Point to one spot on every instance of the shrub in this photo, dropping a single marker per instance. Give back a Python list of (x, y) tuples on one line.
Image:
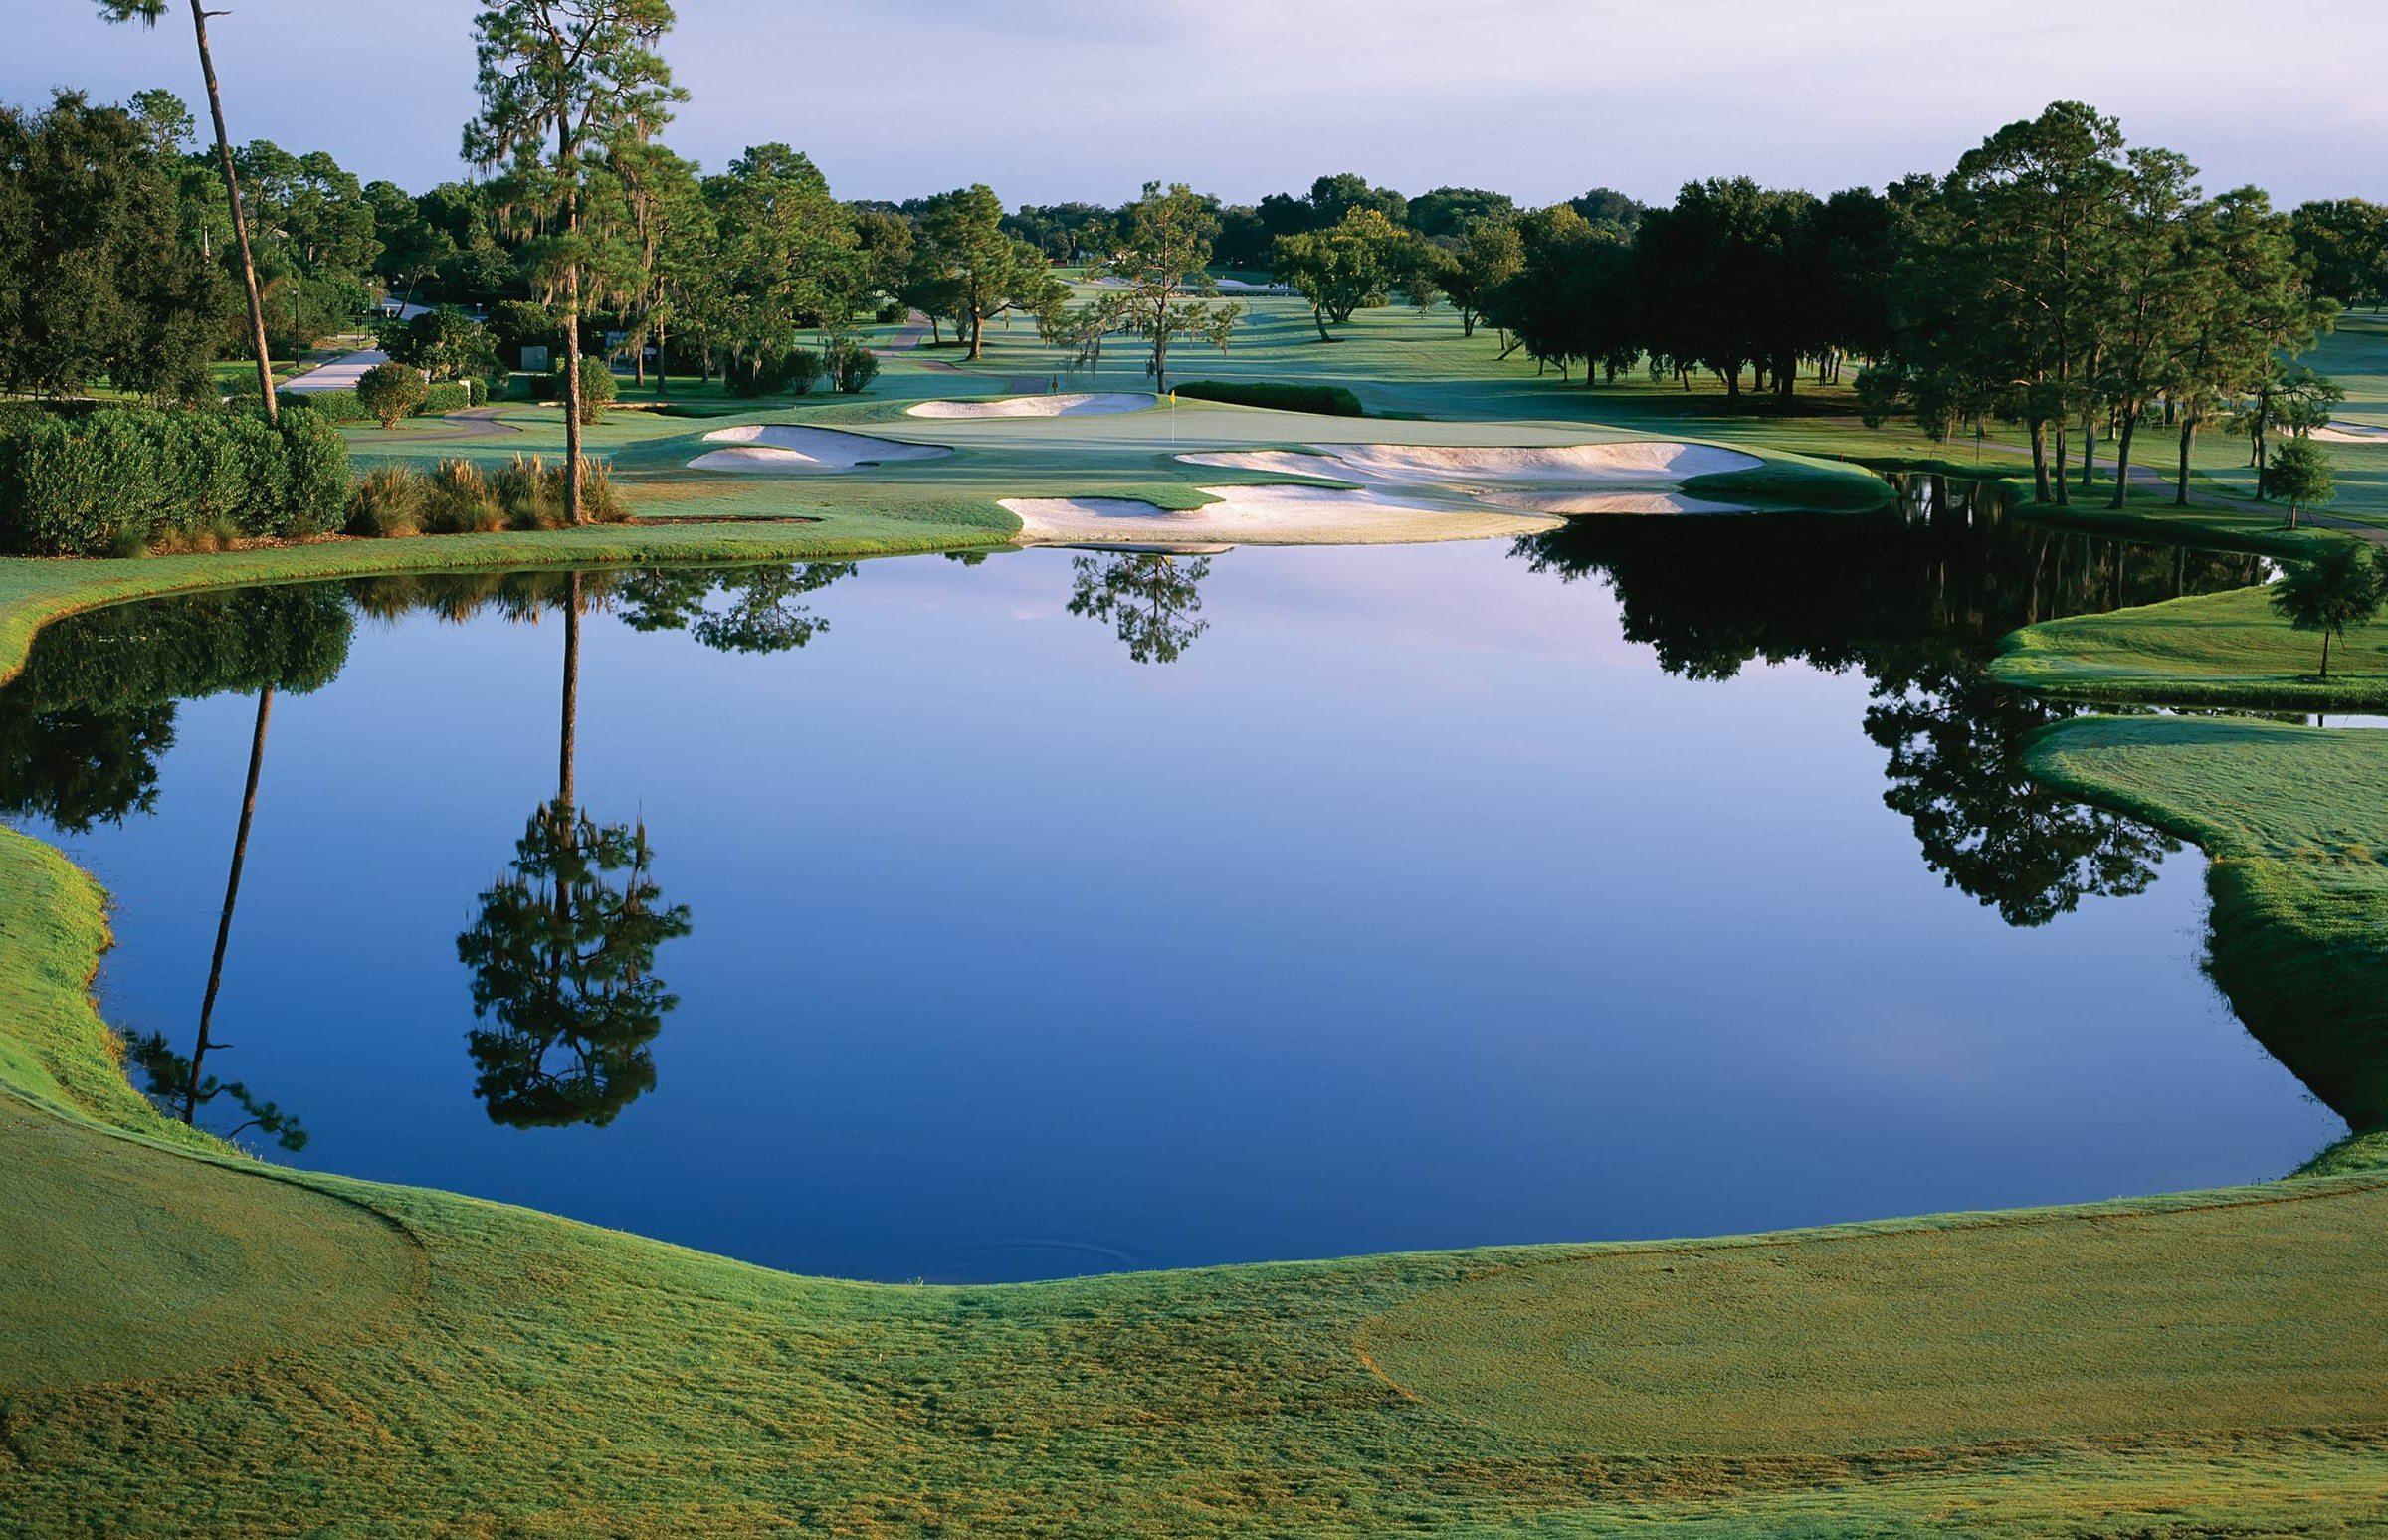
[(387, 501), (1278, 395), (448, 396), (600, 499), (597, 388), (852, 368), (792, 372), (313, 484), (456, 499), (122, 481), (390, 391)]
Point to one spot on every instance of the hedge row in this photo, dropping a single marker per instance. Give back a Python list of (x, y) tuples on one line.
[(341, 406), (119, 482), (1322, 400)]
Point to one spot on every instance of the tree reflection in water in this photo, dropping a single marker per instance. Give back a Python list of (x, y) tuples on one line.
[(1915, 598), (562, 957), (1151, 602), (82, 730), (562, 948)]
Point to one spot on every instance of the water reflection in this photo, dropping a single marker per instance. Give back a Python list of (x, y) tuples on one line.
[(1915, 598), (81, 732), (1151, 601), (561, 952), (562, 947)]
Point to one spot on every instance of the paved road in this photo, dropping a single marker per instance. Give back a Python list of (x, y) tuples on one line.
[(341, 374)]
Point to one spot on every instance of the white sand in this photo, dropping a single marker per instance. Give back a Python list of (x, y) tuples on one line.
[(779, 449), (1080, 404), (1610, 503), (2350, 433), (1260, 515), (1410, 465)]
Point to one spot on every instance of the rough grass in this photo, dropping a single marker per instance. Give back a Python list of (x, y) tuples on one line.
[(2227, 649)]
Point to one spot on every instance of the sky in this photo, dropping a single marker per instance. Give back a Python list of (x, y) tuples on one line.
[(1054, 99)]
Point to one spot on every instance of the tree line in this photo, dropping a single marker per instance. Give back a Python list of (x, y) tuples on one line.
[(2056, 277)]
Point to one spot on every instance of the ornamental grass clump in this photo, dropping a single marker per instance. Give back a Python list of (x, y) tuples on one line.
[(457, 499), (388, 502), (530, 494)]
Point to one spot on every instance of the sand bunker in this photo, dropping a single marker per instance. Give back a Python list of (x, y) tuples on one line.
[(1572, 502), (1260, 515), (1080, 404), (2350, 433), (1409, 465), (777, 449)]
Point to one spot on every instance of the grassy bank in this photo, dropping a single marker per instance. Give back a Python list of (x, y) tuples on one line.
[(2294, 821), (2227, 650)]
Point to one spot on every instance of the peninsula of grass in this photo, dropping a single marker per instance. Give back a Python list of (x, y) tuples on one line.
[(2209, 650), (2294, 823)]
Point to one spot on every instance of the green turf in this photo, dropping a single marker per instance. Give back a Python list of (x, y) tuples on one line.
[(2227, 649)]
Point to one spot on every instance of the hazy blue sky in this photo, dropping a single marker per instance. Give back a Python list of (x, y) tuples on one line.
[(1540, 97)]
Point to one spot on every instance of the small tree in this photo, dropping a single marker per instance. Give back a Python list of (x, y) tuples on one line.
[(2300, 474), (852, 368), (2342, 587), (1159, 253), (390, 391), (597, 388)]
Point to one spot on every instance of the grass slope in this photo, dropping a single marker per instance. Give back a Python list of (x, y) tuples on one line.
[(2226, 649), (479, 1368)]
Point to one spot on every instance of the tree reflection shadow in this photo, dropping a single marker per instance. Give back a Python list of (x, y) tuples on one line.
[(1915, 599), (1153, 603), (562, 958)]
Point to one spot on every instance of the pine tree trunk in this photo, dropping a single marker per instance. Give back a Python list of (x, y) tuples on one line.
[(240, 223), (2039, 432), (2180, 488), (2122, 460), (231, 897)]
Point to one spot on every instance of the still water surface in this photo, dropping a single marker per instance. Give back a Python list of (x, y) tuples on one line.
[(1655, 877)]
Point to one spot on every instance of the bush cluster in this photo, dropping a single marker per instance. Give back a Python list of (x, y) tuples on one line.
[(1280, 395), (344, 406), (528, 493), (131, 480), (849, 367)]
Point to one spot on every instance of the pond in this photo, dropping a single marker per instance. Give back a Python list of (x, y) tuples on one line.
[(1058, 912)]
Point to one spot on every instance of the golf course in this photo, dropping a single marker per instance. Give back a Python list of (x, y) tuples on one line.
[(1381, 906)]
